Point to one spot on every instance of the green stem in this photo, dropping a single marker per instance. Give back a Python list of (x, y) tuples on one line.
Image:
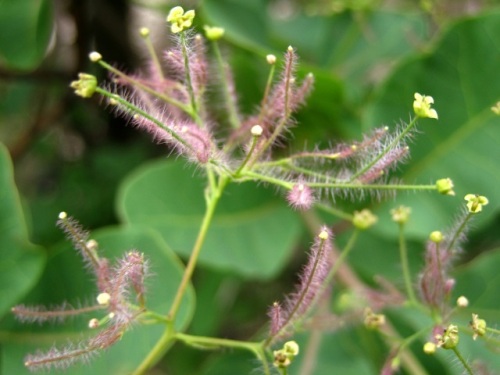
[(459, 230), (334, 211), (343, 255), (215, 343), (386, 150), (213, 199), (463, 361), (405, 265), (154, 56), (157, 352), (255, 140)]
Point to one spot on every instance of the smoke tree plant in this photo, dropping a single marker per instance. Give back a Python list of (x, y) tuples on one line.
[(171, 101)]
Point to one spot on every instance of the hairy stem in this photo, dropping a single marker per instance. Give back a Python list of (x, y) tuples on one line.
[(403, 252), (463, 361), (386, 150), (212, 200)]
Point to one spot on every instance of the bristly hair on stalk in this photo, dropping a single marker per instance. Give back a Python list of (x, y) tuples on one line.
[(116, 285), (311, 283)]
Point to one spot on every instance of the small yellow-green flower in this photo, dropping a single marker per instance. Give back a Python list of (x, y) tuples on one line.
[(364, 219), (475, 202), (478, 326), (85, 86), (373, 321), (284, 357), (213, 33), (445, 186), (496, 108), (449, 339), (401, 214), (179, 19), (422, 106)]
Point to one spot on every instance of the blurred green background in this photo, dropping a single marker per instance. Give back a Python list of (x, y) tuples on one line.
[(63, 153)]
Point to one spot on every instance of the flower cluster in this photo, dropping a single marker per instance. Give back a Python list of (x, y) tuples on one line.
[(170, 101), (115, 284)]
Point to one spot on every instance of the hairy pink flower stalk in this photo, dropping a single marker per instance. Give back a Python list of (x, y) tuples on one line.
[(128, 274), (41, 314), (115, 284), (435, 282), (388, 161), (298, 303), (86, 247), (62, 358)]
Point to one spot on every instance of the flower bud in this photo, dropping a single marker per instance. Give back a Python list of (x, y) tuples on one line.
[(103, 299), (445, 186), (462, 301), (144, 32), (95, 56), (436, 236), (430, 348), (401, 214), (364, 219), (85, 86), (271, 59), (213, 33), (256, 130)]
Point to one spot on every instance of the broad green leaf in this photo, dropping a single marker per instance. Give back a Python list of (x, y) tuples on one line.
[(479, 281), (253, 232), (25, 30), (359, 46), (66, 280), (21, 262), (461, 75)]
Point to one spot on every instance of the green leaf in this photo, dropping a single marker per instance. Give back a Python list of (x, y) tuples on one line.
[(461, 75), (479, 281), (252, 233), (66, 280), (25, 30), (21, 262), (359, 46)]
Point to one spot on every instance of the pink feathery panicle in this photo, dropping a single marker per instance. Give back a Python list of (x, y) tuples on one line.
[(285, 96), (389, 161), (86, 248), (193, 142), (62, 358), (300, 196), (128, 276), (307, 291), (434, 282), (41, 314), (198, 64)]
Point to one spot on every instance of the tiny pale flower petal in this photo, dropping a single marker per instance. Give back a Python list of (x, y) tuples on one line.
[(422, 106)]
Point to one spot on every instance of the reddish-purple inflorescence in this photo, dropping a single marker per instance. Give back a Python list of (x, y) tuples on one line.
[(115, 286), (298, 303)]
